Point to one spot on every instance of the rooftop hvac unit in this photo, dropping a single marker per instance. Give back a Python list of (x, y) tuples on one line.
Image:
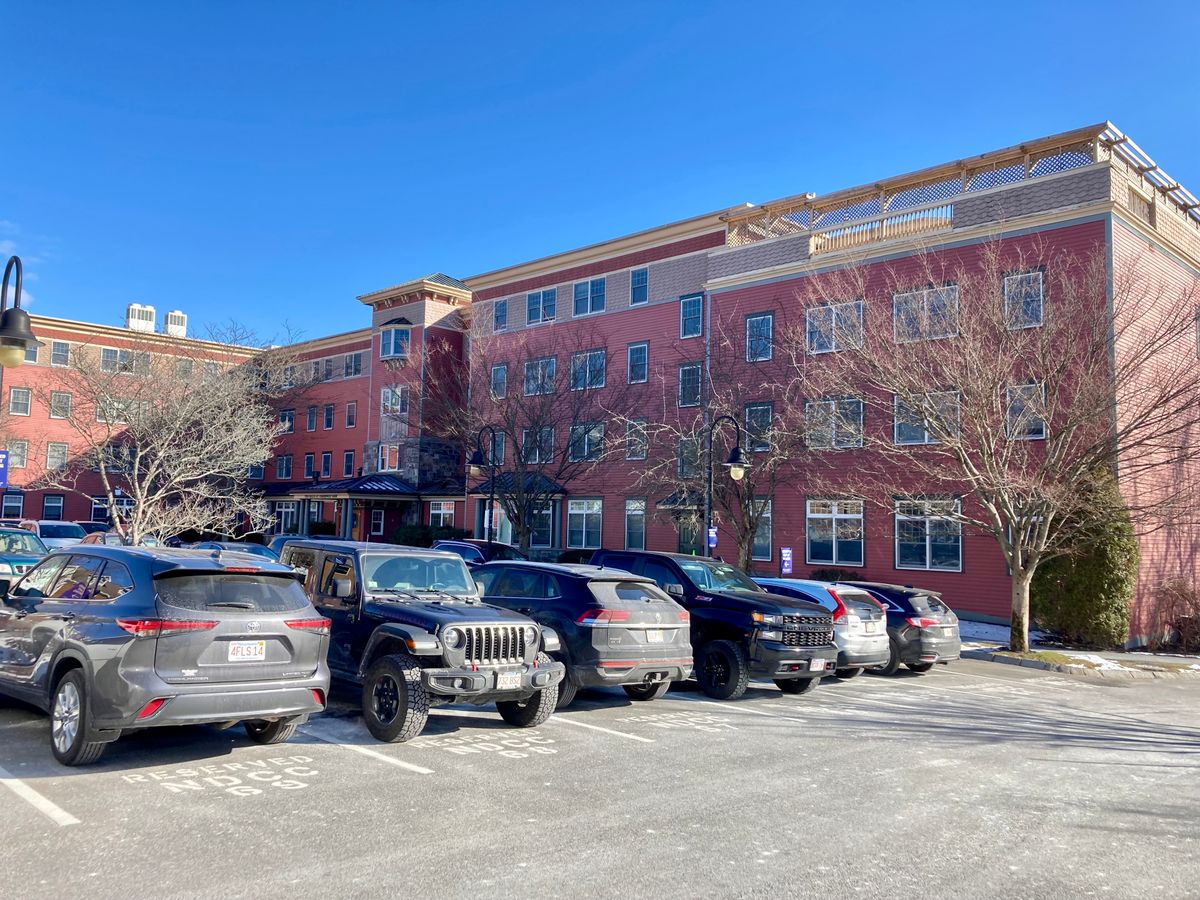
[(139, 317), (175, 323)]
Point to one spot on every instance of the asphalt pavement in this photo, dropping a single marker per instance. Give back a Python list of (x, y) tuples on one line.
[(975, 780)]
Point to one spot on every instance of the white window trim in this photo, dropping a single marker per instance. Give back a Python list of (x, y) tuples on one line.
[(66, 344), (590, 454), (28, 401), (1008, 400), (20, 505), (833, 517), (629, 362), (644, 502), (499, 367), (833, 402), (699, 385), (24, 453), (378, 522), (925, 294), (1041, 300), (495, 306), (897, 516), (770, 342), (351, 404), (928, 440), (835, 310), (599, 528), (542, 318), (645, 269), (585, 357), (632, 426), (688, 298), (770, 519), (70, 404), (590, 312), (547, 388)]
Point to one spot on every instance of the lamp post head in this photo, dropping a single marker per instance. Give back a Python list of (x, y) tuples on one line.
[(737, 463), (16, 334), (477, 462)]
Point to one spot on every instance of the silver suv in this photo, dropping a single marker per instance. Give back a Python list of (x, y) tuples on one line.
[(114, 639)]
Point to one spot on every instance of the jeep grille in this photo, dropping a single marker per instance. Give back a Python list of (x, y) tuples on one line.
[(492, 645)]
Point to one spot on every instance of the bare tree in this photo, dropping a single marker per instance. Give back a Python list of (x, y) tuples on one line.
[(997, 390), (546, 394), (746, 380), (169, 430)]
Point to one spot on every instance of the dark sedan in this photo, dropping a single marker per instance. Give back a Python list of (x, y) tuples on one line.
[(615, 628), (476, 552), (922, 630), (238, 547)]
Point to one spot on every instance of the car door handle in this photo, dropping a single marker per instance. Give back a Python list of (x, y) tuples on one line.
[(20, 613), (525, 610)]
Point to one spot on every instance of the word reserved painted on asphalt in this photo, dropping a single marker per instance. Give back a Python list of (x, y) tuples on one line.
[(683, 720), (244, 779), (519, 744)]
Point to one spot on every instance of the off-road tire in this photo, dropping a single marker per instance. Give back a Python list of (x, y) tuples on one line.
[(920, 667), (722, 670), (72, 692), (846, 674), (796, 685), (263, 732), (567, 688), (395, 704), (892, 666), (647, 692), (534, 711)]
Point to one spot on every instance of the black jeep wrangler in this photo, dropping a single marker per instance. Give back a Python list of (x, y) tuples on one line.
[(408, 625), (739, 631)]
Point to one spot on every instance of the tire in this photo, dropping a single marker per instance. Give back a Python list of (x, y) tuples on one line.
[(846, 674), (722, 670), (796, 685), (567, 688), (395, 704), (263, 732), (647, 692), (534, 711), (69, 722), (892, 666), (920, 667)]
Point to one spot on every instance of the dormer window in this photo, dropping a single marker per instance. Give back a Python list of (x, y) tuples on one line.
[(393, 342)]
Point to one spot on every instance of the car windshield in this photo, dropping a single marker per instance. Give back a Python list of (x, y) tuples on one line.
[(256, 549), (503, 551), (718, 576), (62, 530), (415, 573), (21, 542)]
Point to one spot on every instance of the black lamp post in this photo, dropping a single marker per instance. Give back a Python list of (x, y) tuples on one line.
[(16, 335), (736, 463), (479, 459)]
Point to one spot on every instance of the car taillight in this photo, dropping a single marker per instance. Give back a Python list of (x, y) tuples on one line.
[(153, 628), (242, 569), (316, 626), (922, 621), (603, 616), (839, 611), (685, 616), (319, 697)]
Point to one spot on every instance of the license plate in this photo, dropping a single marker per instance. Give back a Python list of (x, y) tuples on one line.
[(247, 651), (816, 665), (870, 627), (508, 681), (948, 629), (654, 636)]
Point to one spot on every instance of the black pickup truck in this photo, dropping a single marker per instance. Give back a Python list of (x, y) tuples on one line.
[(739, 631), (408, 625)]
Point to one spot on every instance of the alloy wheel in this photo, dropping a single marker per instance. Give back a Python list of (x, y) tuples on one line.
[(64, 722)]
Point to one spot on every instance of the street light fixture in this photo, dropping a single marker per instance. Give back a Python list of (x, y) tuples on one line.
[(16, 335), (737, 463), (477, 463)]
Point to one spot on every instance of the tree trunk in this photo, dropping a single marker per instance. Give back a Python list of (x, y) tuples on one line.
[(745, 552), (1019, 637)]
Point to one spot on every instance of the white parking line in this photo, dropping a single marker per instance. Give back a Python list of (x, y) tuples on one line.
[(374, 754), (565, 721), (740, 706), (48, 808)]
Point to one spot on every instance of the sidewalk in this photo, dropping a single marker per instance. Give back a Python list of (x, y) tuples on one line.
[(986, 641)]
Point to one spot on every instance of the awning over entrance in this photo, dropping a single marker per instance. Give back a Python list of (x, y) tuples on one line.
[(377, 486)]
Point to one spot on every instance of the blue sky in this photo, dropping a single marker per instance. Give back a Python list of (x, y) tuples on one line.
[(267, 162)]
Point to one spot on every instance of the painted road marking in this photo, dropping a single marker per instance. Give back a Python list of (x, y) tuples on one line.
[(48, 808), (565, 721), (373, 754), (733, 707)]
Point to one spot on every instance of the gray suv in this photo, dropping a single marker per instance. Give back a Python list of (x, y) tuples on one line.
[(114, 639)]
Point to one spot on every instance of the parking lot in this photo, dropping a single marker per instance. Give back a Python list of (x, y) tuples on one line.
[(973, 780)]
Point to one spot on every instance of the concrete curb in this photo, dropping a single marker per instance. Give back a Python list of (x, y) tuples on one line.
[(1145, 674)]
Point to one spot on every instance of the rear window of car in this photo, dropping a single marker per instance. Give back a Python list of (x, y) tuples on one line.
[(66, 530), (928, 603), (626, 591), (199, 591)]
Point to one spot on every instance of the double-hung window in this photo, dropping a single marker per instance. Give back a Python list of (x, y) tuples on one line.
[(283, 466), (326, 464), (635, 524), (761, 547), (347, 463), (309, 464), (393, 401), (636, 440), (351, 413), (689, 384), (638, 363), (639, 286), (287, 418), (499, 382), (834, 530), (124, 362), (688, 461), (758, 426), (57, 454), (18, 454), (1024, 296), (537, 444), (834, 424), (312, 418), (19, 400), (60, 405), (925, 315), (760, 333), (394, 342), (587, 370), (587, 442), (928, 535), (541, 306), (495, 450), (691, 309), (583, 522), (539, 376), (833, 327), (500, 315), (1026, 405), (327, 419), (60, 353), (588, 297), (441, 513), (352, 365), (929, 416)]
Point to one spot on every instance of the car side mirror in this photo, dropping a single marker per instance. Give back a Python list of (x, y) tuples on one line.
[(479, 587), (675, 590)]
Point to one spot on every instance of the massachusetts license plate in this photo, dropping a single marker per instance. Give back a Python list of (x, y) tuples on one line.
[(870, 627), (508, 681), (654, 636), (247, 651), (816, 665)]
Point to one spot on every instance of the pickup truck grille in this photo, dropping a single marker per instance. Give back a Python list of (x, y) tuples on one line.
[(809, 631), (490, 645)]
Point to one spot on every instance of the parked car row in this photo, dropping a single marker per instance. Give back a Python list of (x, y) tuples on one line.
[(112, 639)]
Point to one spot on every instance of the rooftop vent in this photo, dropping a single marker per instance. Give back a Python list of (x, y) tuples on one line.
[(139, 317), (175, 323)]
